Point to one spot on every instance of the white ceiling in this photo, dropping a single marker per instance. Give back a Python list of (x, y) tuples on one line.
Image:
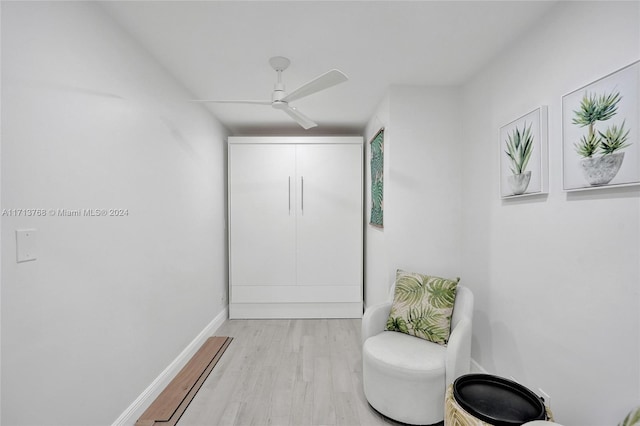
[(220, 50)]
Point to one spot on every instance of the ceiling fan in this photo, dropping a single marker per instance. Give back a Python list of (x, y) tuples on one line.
[(280, 99)]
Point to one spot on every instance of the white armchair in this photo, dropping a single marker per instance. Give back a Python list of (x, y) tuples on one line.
[(404, 377)]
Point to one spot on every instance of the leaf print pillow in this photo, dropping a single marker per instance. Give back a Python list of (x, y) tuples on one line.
[(422, 306)]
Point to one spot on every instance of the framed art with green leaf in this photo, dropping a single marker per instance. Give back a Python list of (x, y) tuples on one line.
[(600, 123), (523, 155), (377, 181)]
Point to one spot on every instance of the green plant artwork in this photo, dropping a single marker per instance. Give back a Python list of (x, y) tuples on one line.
[(519, 148), (594, 108), (377, 188), (422, 306), (600, 132), (598, 149), (632, 419), (523, 159)]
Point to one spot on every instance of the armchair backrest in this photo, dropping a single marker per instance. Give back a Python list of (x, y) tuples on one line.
[(463, 307)]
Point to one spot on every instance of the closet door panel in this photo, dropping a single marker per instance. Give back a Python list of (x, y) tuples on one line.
[(329, 214), (262, 214)]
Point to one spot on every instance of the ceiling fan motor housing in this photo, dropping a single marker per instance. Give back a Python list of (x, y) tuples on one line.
[(277, 96)]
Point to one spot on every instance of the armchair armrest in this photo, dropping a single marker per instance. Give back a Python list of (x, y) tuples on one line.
[(374, 320), (458, 358)]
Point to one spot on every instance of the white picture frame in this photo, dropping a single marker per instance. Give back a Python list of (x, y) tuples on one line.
[(615, 99), (524, 158)]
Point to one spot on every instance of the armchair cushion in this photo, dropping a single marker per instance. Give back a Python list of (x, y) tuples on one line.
[(422, 306), (406, 354)]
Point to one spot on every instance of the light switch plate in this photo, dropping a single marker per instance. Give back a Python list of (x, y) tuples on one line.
[(26, 245)]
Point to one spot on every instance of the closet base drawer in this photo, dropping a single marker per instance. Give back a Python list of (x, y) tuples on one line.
[(296, 293), (294, 310)]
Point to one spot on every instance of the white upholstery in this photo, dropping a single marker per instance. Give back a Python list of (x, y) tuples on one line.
[(405, 377)]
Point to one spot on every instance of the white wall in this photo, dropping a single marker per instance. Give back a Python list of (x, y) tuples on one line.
[(421, 188), (556, 278), (90, 121)]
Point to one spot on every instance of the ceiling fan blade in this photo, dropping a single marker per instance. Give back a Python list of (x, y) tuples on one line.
[(326, 80), (300, 118), (232, 102)]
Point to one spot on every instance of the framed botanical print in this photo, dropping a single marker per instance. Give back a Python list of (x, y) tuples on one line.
[(600, 127), (377, 181), (523, 155)]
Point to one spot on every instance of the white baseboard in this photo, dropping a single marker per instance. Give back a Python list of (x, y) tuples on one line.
[(477, 368), (137, 408)]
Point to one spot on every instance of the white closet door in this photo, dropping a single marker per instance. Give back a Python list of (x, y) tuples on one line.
[(262, 212), (329, 238)]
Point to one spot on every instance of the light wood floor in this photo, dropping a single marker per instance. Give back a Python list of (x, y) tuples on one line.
[(286, 372)]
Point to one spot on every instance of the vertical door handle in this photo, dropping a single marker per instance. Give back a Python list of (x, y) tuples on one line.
[(302, 193), (289, 195)]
